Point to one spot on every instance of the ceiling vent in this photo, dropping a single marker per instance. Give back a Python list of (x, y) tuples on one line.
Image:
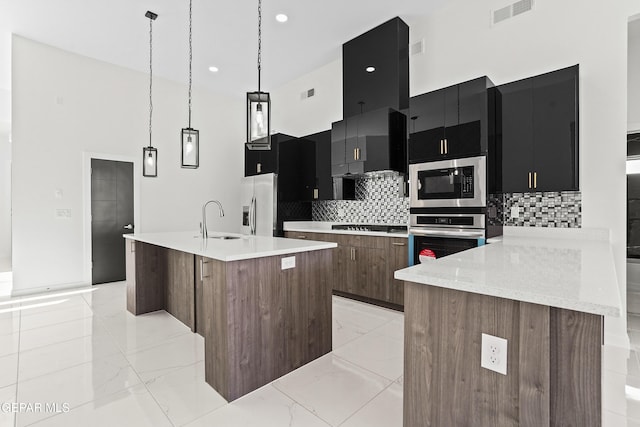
[(510, 11), (308, 93)]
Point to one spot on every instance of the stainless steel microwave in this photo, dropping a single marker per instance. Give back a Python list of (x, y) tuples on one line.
[(449, 183)]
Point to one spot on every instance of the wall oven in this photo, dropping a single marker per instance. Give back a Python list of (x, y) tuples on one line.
[(449, 183), (437, 235)]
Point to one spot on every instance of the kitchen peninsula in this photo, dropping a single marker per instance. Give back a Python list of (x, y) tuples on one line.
[(546, 295), (262, 304)]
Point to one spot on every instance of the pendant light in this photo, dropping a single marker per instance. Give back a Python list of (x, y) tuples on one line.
[(259, 105), (150, 154), (189, 137)]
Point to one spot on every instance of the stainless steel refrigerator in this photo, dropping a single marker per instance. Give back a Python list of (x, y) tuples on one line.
[(259, 195)]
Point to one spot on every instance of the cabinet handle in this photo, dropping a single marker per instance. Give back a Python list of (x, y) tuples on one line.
[(442, 146), (202, 263), (258, 167), (535, 180), (397, 244), (353, 250), (302, 237), (354, 154), (529, 179), (446, 146), (133, 246), (358, 152)]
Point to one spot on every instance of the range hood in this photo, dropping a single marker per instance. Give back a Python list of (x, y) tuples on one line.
[(375, 69), (372, 137)]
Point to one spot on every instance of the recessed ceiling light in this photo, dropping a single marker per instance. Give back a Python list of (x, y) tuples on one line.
[(370, 69), (213, 69), (281, 17)]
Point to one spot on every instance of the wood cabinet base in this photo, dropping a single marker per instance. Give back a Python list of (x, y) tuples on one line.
[(553, 362), (259, 321), (262, 322), (160, 279)]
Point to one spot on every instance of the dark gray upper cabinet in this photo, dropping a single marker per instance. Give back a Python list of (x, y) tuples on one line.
[(538, 132), (386, 48), (368, 142), (453, 122), (323, 189), (293, 159)]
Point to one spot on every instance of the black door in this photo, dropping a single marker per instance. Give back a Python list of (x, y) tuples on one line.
[(111, 217)]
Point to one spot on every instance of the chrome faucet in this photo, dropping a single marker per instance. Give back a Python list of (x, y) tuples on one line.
[(203, 225)]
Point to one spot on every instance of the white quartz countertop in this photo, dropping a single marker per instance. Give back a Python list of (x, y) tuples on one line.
[(325, 227), (245, 247), (571, 273)]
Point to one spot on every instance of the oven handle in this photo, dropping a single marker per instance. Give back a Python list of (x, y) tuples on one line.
[(446, 233)]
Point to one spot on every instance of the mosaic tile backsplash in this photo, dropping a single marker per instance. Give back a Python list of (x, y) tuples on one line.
[(379, 200), (549, 209)]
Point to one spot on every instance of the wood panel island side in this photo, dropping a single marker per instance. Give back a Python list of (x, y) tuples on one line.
[(262, 304), (546, 296)]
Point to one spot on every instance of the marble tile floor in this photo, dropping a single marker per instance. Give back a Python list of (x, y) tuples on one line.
[(88, 362)]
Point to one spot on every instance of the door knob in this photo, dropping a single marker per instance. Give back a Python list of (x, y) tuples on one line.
[(128, 227)]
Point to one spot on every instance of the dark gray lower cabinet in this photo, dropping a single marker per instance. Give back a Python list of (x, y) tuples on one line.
[(363, 266)]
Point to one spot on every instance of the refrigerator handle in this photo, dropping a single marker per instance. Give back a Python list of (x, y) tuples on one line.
[(252, 216)]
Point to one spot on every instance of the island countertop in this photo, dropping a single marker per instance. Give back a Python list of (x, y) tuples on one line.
[(570, 273), (240, 248)]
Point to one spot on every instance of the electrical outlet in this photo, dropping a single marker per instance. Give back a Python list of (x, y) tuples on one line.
[(494, 354), (515, 212), (288, 262)]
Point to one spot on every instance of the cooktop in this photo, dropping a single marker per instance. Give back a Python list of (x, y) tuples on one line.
[(371, 227)]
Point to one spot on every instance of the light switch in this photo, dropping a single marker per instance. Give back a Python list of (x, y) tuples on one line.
[(63, 213)]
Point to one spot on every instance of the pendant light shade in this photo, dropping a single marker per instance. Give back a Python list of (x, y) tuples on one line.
[(259, 105), (258, 120), (189, 137), (190, 157), (149, 162), (150, 154)]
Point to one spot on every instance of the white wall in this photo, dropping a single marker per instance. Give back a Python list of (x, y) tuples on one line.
[(5, 198), (299, 117), (5, 178), (460, 45), (65, 105), (633, 77)]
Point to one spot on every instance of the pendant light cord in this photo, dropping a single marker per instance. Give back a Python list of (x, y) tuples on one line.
[(150, 76), (259, 41), (190, 56)]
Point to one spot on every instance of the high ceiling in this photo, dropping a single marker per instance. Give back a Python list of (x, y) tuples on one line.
[(224, 34)]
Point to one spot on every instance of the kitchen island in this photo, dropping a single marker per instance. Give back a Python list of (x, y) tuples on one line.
[(546, 296), (262, 304)]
